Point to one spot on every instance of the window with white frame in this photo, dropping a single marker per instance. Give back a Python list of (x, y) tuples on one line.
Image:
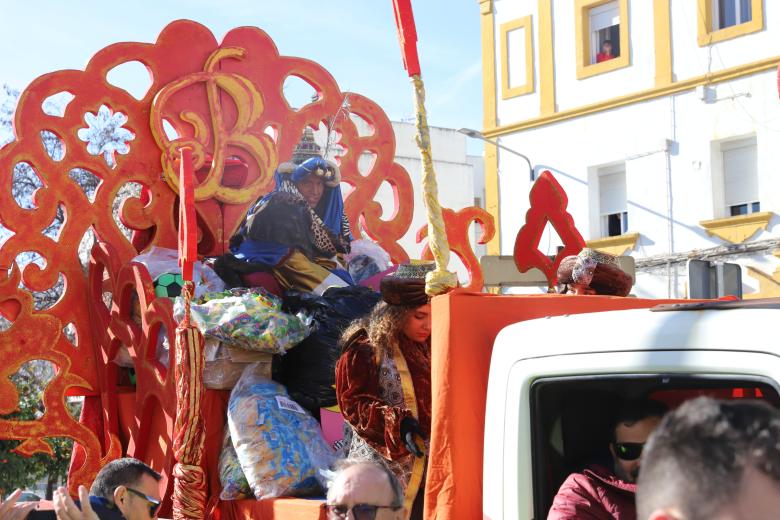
[(612, 201), (727, 13), (740, 176), (604, 27)]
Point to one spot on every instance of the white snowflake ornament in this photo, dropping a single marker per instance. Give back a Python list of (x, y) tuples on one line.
[(104, 134)]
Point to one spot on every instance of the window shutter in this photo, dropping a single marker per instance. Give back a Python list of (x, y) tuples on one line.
[(604, 16), (740, 173), (612, 193)]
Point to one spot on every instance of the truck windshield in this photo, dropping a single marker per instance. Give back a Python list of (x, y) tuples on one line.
[(572, 417)]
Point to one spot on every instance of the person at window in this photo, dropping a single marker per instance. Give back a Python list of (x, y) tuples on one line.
[(606, 52), (367, 491), (124, 489), (713, 460), (383, 382), (299, 231), (600, 493)]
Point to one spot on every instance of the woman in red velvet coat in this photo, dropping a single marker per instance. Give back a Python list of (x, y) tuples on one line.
[(383, 382)]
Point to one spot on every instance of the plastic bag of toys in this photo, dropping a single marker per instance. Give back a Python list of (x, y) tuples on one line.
[(250, 319), (279, 444), (231, 476)]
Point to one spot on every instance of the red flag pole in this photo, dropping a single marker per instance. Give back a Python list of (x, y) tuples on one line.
[(189, 484)]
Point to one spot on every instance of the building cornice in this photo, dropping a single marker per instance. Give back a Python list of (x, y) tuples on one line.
[(617, 245), (737, 229), (637, 97)]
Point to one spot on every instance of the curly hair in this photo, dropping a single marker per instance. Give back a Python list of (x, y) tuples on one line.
[(383, 326)]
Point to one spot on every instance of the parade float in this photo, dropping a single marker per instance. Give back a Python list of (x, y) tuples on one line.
[(202, 144)]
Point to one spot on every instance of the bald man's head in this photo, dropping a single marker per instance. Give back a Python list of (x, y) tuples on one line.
[(366, 484)]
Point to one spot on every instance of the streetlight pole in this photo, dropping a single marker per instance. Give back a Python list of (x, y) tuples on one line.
[(478, 135)]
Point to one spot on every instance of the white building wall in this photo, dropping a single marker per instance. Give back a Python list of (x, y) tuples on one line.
[(455, 172), (571, 92), (690, 60), (509, 109), (669, 143), (575, 149)]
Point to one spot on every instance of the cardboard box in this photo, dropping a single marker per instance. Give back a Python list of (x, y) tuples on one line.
[(224, 365)]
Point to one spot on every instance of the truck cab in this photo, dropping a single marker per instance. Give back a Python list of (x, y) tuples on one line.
[(554, 381)]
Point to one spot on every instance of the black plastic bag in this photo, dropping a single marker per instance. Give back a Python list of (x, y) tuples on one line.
[(308, 369)]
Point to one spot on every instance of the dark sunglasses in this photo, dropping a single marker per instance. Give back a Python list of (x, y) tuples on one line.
[(359, 511), (155, 502), (629, 450)]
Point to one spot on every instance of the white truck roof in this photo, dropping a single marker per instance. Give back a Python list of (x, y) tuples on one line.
[(639, 329)]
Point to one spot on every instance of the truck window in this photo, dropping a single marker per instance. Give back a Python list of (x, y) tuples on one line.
[(571, 417)]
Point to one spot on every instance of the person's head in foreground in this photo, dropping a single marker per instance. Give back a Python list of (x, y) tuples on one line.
[(364, 491), (713, 460), (127, 485), (634, 422)]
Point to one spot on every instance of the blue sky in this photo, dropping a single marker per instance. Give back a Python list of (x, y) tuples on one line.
[(354, 39)]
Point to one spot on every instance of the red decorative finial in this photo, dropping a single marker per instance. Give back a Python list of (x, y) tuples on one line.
[(548, 204), (407, 35)]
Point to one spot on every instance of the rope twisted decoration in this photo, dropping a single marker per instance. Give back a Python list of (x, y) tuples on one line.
[(438, 281), (189, 491), (189, 486)]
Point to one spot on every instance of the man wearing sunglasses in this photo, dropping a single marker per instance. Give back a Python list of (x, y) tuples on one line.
[(124, 489), (599, 493), (365, 491)]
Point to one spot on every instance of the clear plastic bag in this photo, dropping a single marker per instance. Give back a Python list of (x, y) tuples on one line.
[(122, 358), (248, 319), (365, 259), (279, 444), (231, 476), (161, 260)]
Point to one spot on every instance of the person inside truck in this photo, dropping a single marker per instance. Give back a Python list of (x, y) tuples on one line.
[(713, 460), (600, 493), (299, 231), (383, 381)]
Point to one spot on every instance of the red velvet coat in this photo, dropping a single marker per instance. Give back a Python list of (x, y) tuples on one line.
[(594, 494), (357, 390)]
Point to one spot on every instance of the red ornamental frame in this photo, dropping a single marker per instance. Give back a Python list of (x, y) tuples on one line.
[(225, 101), (548, 204)]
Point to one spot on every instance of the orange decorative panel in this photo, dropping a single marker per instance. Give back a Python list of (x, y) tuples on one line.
[(457, 228)]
